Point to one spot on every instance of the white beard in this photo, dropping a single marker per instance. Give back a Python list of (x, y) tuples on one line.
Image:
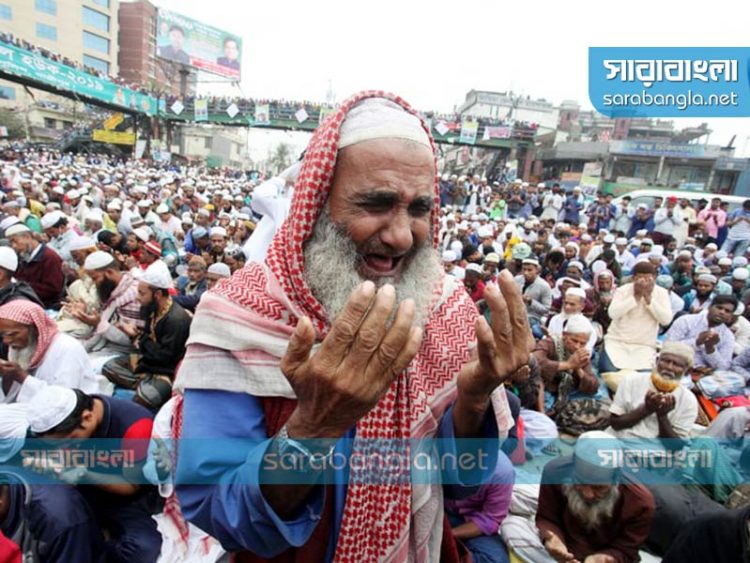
[(590, 515), (23, 356), (331, 261)]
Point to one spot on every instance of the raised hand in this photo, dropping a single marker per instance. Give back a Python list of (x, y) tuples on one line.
[(556, 548), (356, 363), (502, 349)]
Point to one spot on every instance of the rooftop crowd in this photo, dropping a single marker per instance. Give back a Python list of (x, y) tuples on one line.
[(145, 304)]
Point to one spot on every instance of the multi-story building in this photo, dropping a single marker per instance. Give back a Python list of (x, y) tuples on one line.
[(216, 146), (85, 31)]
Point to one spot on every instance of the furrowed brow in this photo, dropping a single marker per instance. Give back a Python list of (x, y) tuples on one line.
[(379, 198)]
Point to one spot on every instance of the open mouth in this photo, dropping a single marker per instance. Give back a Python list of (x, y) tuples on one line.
[(381, 265)]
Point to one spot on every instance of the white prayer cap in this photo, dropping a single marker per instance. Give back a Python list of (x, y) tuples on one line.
[(707, 278), (474, 268), (598, 266), (577, 324), (449, 256), (712, 246), (114, 206), (685, 254), (156, 275), (51, 219), (576, 291), (576, 264), (485, 231), (457, 247), (586, 237), (530, 261), (721, 254), (143, 233), (73, 194), (162, 208), (621, 241), (144, 203), (647, 241), (610, 239), (49, 407), (16, 229), (678, 349), (81, 243), (205, 212), (492, 257), (541, 185), (740, 274), (14, 425), (739, 262), (8, 258), (98, 260), (702, 270), (93, 216), (221, 231), (725, 262), (220, 269), (641, 232), (378, 118)]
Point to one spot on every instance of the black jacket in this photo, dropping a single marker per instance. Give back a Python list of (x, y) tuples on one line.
[(162, 356)]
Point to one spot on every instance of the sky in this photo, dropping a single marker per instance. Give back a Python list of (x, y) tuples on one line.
[(433, 52)]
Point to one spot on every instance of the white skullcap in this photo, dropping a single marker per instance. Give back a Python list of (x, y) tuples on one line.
[(679, 349), (16, 229), (621, 241), (598, 266), (575, 264), (8, 258), (14, 425), (156, 275), (739, 262), (740, 274), (220, 269), (721, 254), (576, 291), (114, 206), (474, 268), (449, 256), (162, 208), (530, 261), (685, 254), (80, 243), (378, 118), (642, 232), (492, 257), (93, 216), (577, 324), (144, 203), (712, 246), (609, 239), (485, 231), (457, 247), (725, 262), (73, 194), (143, 233), (51, 219), (541, 185), (221, 231), (707, 277), (49, 407), (586, 237), (647, 241), (98, 260)]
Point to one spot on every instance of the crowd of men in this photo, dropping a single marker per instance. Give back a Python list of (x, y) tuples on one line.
[(142, 304)]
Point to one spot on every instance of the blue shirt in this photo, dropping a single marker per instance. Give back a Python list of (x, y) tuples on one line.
[(231, 507)]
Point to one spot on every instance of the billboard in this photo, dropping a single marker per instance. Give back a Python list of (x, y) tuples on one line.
[(190, 42)]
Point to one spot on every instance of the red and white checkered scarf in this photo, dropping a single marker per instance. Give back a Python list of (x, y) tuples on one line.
[(241, 329), (29, 313)]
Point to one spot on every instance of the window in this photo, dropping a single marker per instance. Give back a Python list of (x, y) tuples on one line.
[(50, 123), (208, 142), (96, 43), (7, 93), (102, 3), (46, 6), (98, 64), (95, 19), (6, 13), (45, 31)]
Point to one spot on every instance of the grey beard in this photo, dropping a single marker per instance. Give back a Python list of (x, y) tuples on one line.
[(590, 515), (331, 261), (23, 356)]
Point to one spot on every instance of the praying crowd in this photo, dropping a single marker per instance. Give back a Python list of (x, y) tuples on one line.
[(362, 294)]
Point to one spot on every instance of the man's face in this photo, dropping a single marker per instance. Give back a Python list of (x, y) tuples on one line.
[(471, 278), (15, 335), (145, 295), (573, 272), (52, 232), (115, 215), (202, 243), (218, 243), (738, 285), (382, 197), (715, 203), (529, 272), (704, 288), (671, 366), (230, 50), (490, 268), (196, 273), (720, 314), (592, 494), (570, 252), (176, 39), (574, 342), (212, 280), (22, 244), (684, 264), (605, 284), (572, 304)]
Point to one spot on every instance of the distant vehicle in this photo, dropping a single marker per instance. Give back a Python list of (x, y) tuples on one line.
[(649, 197)]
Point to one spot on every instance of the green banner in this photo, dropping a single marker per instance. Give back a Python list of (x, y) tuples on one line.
[(24, 64)]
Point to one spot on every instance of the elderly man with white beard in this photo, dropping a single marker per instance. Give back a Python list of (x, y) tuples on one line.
[(349, 329), (589, 510)]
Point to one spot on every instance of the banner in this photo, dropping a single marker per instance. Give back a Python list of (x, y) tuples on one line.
[(469, 132), (30, 66), (500, 132), (262, 114), (189, 42), (201, 110), (140, 148), (114, 137), (113, 121)]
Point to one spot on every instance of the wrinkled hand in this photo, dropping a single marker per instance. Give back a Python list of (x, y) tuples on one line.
[(501, 349), (582, 357), (356, 363), (12, 371), (651, 402), (666, 404), (556, 548)]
